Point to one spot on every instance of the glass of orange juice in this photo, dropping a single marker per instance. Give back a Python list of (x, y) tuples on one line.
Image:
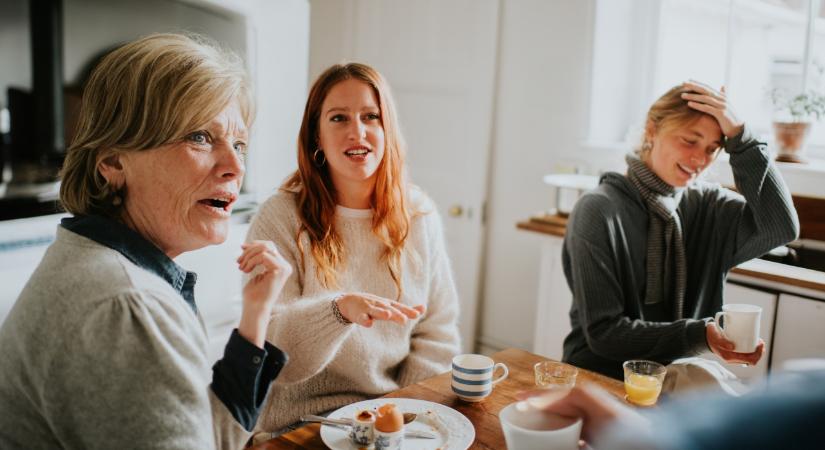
[(643, 381)]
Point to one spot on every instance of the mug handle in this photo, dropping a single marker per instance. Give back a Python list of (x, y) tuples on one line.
[(503, 376), (717, 318)]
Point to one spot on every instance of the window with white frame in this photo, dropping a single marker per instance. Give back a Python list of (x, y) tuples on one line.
[(753, 47)]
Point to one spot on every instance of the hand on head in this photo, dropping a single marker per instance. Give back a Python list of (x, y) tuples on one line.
[(710, 101), (363, 309), (721, 346)]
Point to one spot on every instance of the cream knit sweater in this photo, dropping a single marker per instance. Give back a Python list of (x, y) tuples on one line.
[(332, 364)]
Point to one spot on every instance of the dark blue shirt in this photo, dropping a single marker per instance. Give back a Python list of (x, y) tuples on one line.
[(242, 377), (786, 412)]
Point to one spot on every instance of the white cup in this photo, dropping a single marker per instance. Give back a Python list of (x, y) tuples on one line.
[(473, 376), (530, 428), (740, 325)]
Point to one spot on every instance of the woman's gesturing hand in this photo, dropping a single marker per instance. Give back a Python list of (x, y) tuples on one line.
[(710, 101), (266, 282), (269, 272), (363, 309)]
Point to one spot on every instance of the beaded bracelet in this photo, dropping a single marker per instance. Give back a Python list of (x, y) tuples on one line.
[(337, 312)]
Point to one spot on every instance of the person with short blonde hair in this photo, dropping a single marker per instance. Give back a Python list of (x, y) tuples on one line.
[(105, 347), (646, 253), (372, 306), (166, 86)]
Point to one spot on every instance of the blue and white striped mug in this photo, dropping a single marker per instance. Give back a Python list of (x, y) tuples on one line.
[(473, 376)]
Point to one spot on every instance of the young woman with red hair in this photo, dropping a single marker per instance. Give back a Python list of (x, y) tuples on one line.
[(371, 306)]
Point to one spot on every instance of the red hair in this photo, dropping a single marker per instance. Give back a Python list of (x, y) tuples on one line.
[(316, 193)]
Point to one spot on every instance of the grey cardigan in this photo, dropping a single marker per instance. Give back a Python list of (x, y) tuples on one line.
[(100, 353), (605, 250)]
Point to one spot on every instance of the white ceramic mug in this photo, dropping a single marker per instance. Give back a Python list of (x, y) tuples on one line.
[(473, 376), (740, 325), (533, 429)]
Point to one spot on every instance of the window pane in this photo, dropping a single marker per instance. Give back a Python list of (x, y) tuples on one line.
[(768, 43), (816, 81)]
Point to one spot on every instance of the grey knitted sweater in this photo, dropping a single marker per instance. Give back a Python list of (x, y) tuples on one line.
[(101, 353), (604, 260)]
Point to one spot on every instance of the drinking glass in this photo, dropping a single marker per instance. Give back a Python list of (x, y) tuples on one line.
[(643, 381), (555, 375)]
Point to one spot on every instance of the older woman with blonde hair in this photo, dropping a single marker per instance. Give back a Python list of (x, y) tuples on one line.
[(105, 347), (372, 305), (646, 253)]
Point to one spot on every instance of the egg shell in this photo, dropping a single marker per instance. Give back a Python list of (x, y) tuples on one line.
[(389, 419)]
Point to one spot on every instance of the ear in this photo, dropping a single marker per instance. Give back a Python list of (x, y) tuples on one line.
[(111, 168), (650, 130)]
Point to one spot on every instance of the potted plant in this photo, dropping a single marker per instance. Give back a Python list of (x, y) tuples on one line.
[(792, 125)]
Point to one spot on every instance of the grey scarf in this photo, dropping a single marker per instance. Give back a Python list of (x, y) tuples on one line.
[(666, 263)]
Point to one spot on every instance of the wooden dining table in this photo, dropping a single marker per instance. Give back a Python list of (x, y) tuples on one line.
[(483, 415)]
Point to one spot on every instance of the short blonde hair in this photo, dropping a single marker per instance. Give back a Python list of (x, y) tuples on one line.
[(668, 112), (145, 94)]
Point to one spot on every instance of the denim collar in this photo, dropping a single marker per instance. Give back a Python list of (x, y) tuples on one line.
[(136, 248)]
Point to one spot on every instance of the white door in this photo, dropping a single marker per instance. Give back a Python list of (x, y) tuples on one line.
[(439, 58)]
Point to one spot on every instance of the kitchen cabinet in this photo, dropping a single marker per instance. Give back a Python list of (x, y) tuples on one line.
[(554, 300), (800, 329)]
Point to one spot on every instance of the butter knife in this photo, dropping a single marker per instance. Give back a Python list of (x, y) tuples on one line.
[(416, 434)]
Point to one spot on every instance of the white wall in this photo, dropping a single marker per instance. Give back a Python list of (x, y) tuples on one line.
[(126, 20), (279, 58), (540, 119), (329, 37), (624, 41)]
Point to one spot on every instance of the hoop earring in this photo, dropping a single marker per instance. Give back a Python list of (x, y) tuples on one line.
[(646, 146), (322, 161)]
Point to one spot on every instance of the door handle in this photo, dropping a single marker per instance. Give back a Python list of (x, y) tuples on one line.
[(455, 211)]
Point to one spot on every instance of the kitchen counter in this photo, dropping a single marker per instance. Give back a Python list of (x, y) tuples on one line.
[(755, 269)]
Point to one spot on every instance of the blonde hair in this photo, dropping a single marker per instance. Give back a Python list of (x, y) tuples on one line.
[(316, 193), (145, 94), (668, 112)]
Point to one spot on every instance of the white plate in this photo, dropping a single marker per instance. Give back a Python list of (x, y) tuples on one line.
[(453, 431)]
